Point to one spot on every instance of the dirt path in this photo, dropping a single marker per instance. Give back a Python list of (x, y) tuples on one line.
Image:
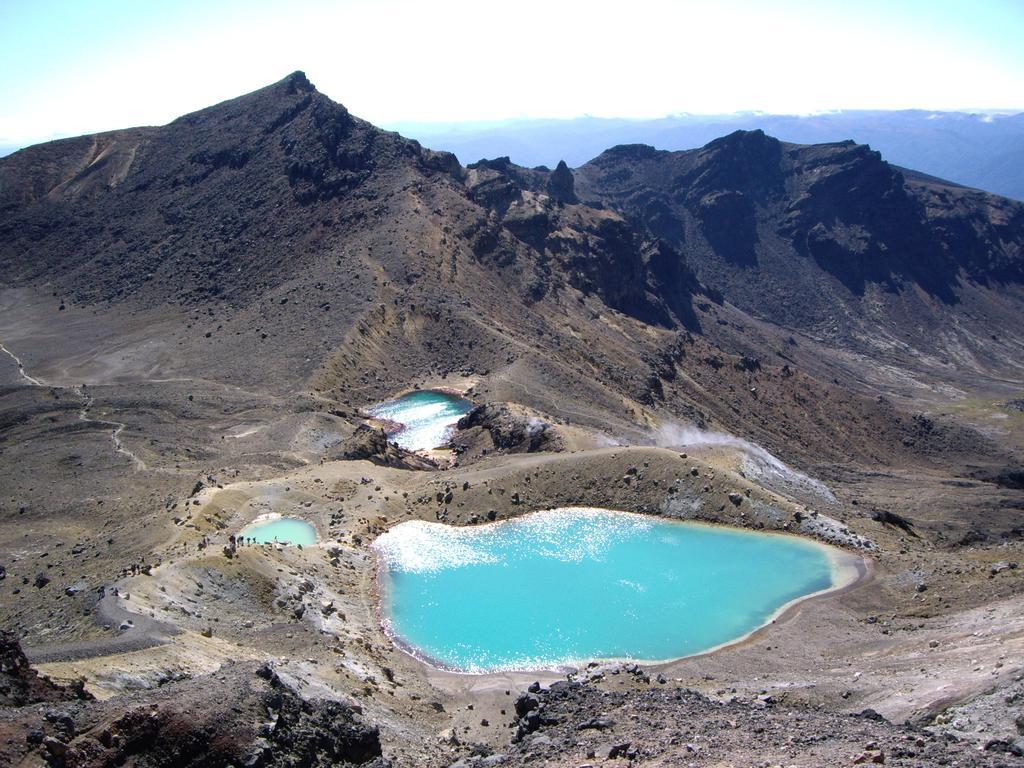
[(21, 368), (116, 426), (115, 433), (140, 632)]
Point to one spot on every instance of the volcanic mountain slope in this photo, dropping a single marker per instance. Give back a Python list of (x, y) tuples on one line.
[(193, 316), (833, 241), (300, 244), (279, 215)]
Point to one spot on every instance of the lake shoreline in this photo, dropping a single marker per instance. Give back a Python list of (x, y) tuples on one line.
[(847, 572)]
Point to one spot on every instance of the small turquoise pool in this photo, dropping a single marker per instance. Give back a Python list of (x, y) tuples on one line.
[(423, 419), (566, 586), (281, 530)]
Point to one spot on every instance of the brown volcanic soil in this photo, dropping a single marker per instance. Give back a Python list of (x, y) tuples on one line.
[(237, 285)]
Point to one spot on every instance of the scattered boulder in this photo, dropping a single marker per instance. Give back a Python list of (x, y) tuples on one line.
[(875, 756), (527, 702), (891, 518), (597, 723), (619, 750)]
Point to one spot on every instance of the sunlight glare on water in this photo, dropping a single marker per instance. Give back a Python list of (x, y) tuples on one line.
[(427, 418), (569, 585)]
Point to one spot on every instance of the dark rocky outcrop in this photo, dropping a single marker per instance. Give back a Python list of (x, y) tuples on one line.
[(371, 444), (594, 251), (1004, 477), (20, 685), (894, 519), (497, 427), (234, 718), (561, 184), (729, 223)]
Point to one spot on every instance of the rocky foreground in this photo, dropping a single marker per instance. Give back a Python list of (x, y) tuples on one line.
[(242, 716), (252, 716), (572, 723)]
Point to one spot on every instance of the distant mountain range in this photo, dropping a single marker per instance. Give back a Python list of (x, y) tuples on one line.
[(978, 150)]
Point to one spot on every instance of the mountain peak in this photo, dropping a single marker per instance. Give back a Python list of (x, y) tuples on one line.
[(297, 82), (747, 140), (638, 151), (561, 184)]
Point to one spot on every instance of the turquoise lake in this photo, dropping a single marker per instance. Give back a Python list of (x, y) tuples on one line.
[(283, 530), (566, 586), (426, 416)]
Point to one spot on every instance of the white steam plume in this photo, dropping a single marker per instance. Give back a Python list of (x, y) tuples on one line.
[(756, 461)]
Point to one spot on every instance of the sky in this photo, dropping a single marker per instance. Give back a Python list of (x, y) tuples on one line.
[(79, 66)]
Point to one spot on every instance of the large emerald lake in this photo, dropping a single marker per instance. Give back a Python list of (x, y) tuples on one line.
[(561, 587)]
